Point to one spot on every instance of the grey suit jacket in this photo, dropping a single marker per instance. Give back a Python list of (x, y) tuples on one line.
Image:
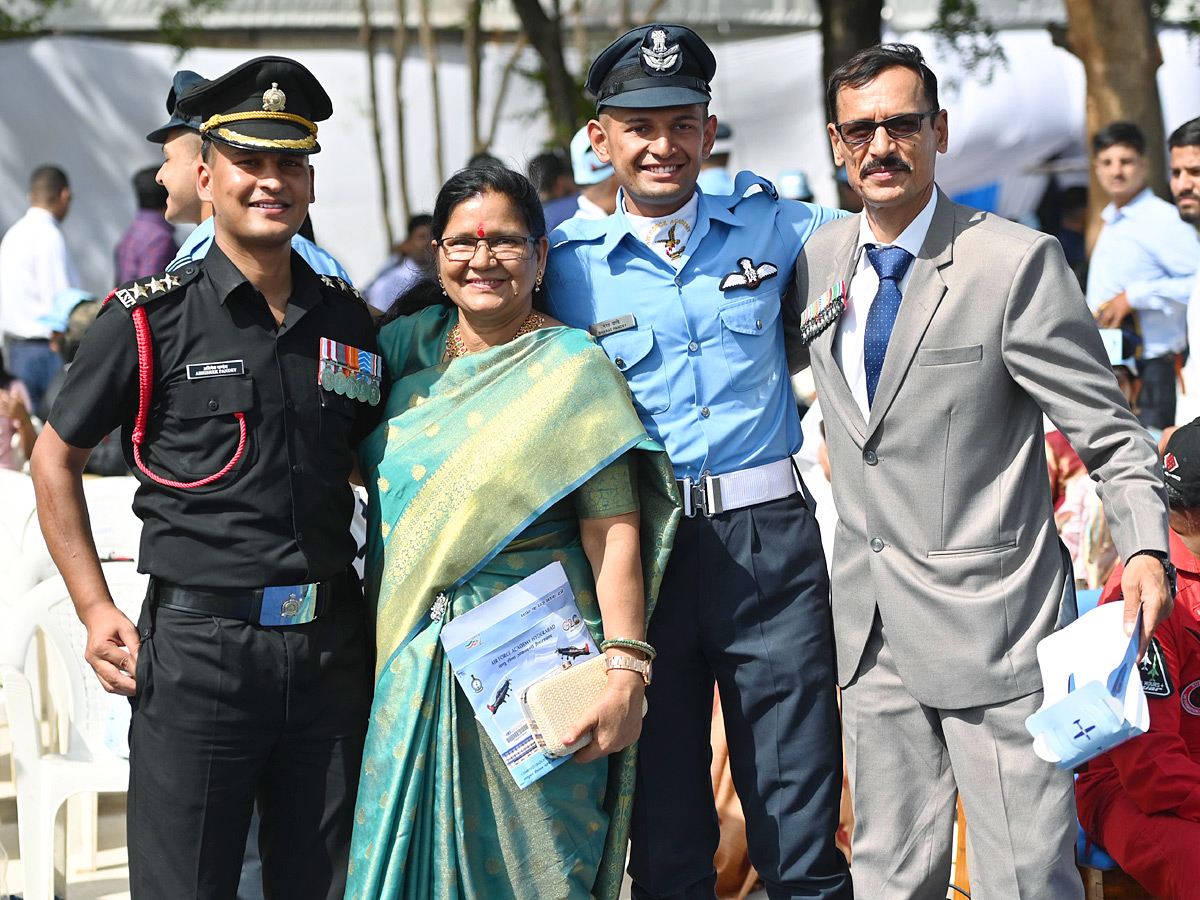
[(945, 517)]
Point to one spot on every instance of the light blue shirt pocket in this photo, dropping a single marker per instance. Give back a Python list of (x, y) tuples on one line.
[(746, 335), (637, 354)]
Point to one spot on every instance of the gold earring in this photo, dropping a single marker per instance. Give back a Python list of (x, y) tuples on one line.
[(442, 286), (538, 283)]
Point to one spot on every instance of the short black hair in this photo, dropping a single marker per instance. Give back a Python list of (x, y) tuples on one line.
[(866, 65), (420, 220), (47, 183), (545, 169), (474, 180), (150, 194), (1119, 133), (1186, 135)]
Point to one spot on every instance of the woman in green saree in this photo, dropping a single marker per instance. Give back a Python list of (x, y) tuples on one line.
[(509, 443)]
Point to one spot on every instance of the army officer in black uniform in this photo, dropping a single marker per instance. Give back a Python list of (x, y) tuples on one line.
[(241, 384)]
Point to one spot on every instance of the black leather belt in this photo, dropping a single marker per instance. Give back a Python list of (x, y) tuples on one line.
[(289, 604)]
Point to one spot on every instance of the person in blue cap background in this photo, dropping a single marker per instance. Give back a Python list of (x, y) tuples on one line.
[(242, 383), (682, 290), (180, 140)]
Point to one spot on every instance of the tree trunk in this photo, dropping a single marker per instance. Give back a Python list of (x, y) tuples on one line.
[(545, 36), (399, 51), (847, 26), (366, 40), (429, 46), (1115, 39), (474, 65)]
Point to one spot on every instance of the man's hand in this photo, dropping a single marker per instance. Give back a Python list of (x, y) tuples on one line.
[(1113, 313), (615, 720), (1144, 584), (112, 647)]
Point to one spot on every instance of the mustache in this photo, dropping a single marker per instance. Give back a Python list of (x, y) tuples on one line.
[(888, 162), (1187, 195)]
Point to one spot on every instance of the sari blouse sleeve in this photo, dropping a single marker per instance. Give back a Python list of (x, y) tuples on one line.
[(610, 492)]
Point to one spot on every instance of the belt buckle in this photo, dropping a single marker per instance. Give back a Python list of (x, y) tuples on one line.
[(288, 604)]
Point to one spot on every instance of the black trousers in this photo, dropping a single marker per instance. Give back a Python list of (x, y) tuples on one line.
[(226, 712), (745, 600), (1157, 399)]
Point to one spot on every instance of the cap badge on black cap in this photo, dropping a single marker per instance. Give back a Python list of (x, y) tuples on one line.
[(274, 100), (657, 57), (1170, 463)]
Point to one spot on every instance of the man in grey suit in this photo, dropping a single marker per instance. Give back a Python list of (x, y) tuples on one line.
[(959, 330)]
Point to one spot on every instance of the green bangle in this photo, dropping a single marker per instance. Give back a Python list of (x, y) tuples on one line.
[(629, 644)]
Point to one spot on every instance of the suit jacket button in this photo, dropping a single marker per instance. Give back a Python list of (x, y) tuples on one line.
[(877, 544), (870, 458)]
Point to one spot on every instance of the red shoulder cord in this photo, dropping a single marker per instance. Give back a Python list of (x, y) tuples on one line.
[(145, 388)]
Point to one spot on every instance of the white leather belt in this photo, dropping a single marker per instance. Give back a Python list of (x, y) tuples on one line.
[(712, 495)]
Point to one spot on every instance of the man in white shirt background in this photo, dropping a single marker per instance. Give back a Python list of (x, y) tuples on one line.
[(34, 266), (1184, 144), (1144, 262)]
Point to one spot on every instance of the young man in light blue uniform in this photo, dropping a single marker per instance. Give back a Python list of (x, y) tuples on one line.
[(683, 291), (180, 139)]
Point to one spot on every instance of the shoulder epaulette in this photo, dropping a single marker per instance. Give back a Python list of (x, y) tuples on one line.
[(341, 284), (746, 181), (146, 290)]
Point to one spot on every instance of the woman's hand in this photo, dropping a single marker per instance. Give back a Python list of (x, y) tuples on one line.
[(615, 720)]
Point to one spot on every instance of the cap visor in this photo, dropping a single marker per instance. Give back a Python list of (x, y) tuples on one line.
[(655, 97), (160, 135)]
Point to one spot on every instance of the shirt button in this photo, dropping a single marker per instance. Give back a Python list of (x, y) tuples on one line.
[(704, 411), (299, 536), (870, 458), (679, 281), (288, 404), (620, 363), (759, 323), (693, 346), (877, 544), (214, 405), (296, 469)]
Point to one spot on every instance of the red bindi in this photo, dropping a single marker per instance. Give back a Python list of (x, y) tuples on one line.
[(479, 231)]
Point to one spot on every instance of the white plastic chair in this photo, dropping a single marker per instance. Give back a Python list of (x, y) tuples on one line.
[(46, 780)]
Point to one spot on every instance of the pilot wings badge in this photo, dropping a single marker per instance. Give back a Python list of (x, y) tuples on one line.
[(749, 276), (659, 58)]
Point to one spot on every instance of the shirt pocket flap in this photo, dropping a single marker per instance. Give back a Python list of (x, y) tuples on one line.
[(754, 315), (338, 403), (209, 397), (932, 356), (628, 348)]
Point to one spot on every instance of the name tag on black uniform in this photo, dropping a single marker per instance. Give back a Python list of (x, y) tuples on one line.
[(215, 369)]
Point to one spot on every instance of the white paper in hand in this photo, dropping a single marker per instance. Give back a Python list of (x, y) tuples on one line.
[(1093, 692)]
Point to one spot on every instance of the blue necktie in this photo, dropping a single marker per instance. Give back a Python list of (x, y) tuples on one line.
[(890, 264)]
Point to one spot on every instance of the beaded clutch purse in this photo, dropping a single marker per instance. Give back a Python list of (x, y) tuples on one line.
[(552, 703)]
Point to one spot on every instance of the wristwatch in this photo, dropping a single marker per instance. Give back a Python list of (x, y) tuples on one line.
[(642, 666), (1168, 567)]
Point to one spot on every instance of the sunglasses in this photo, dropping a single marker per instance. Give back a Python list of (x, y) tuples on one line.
[(860, 131)]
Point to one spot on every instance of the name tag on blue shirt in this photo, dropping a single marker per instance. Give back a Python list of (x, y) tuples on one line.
[(612, 326)]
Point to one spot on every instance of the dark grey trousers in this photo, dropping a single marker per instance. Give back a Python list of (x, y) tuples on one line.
[(745, 601)]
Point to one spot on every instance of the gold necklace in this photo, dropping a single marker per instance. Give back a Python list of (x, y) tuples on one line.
[(455, 347)]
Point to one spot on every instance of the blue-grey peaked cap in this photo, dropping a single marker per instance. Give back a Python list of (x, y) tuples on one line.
[(653, 66)]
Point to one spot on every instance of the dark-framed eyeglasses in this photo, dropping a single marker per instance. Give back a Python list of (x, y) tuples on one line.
[(503, 247), (860, 131)]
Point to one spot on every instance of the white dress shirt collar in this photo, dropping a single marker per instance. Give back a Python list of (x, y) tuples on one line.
[(1112, 212), (911, 239)]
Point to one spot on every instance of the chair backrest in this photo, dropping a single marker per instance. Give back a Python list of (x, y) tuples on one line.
[(90, 706)]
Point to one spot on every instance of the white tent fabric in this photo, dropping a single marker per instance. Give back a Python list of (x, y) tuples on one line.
[(87, 104)]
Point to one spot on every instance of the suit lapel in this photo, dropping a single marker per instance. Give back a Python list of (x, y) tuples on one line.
[(839, 396), (921, 298)]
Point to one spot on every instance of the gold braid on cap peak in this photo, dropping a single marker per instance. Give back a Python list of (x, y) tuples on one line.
[(255, 114)]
